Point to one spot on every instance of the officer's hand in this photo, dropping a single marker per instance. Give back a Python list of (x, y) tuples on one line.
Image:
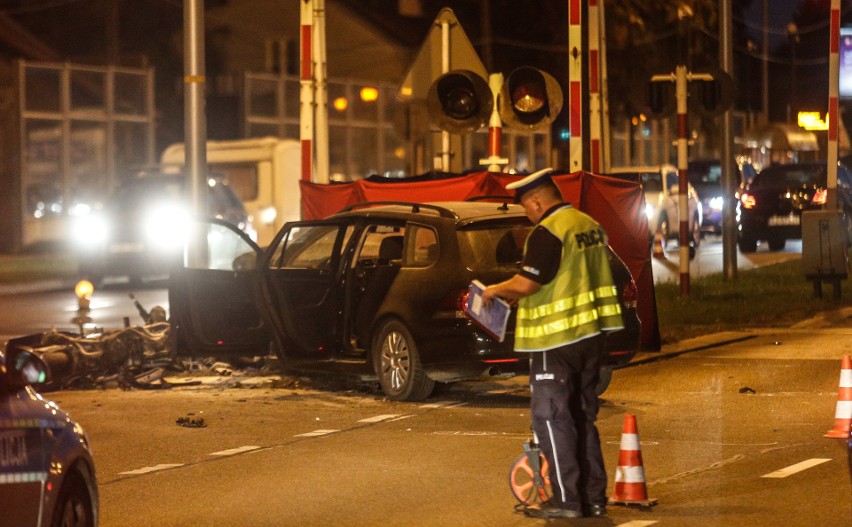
[(487, 296)]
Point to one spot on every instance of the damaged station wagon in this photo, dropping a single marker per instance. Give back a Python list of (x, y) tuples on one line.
[(377, 291)]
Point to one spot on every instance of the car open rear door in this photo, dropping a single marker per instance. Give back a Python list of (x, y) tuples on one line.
[(213, 310), (300, 283)]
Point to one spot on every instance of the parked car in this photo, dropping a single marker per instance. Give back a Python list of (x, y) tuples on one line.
[(661, 189), (47, 476), (770, 206), (376, 292), (139, 232)]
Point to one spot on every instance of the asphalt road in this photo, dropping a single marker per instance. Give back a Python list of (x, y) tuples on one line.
[(731, 429)]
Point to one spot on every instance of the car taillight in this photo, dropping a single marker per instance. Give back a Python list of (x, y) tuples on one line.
[(820, 197), (748, 201), (629, 294), (455, 300)]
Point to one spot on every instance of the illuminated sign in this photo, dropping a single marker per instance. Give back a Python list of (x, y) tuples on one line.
[(813, 121), (845, 59)]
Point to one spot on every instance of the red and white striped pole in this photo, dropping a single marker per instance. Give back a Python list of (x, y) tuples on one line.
[(833, 116), (575, 84), (595, 153), (306, 83), (495, 159), (320, 95)]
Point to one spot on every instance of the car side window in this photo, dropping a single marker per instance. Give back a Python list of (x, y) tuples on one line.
[(310, 247), (422, 246), (381, 244), (217, 247), (651, 182)]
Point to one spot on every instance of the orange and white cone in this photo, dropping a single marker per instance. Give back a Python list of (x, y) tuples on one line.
[(659, 251), (629, 474), (843, 411)]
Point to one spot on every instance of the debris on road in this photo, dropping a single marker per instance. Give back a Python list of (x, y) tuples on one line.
[(189, 422)]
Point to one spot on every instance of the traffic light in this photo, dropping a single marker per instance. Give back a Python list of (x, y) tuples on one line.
[(655, 100), (713, 97), (460, 101), (530, 99)]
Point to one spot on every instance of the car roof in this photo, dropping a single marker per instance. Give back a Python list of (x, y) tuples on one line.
[(642, 168), (461, 212)]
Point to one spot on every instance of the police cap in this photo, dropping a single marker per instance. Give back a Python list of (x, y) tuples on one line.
[(530, 182)]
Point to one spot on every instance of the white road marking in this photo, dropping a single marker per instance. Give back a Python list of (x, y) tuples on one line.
[(442, 405), (637, 523), (379, 418), (798, 467), (233, 451), (316, 433), (155, 468)]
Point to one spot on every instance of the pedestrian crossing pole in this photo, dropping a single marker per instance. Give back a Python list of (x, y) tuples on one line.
[(595, 144), (833, 115), (575, 84), (306, 84)]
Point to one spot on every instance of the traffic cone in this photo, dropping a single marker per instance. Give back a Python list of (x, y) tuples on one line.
[(629, 474), (659, 251), (843, 411)]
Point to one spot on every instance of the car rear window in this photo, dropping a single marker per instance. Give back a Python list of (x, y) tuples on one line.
[(790, 175), (493, 248)]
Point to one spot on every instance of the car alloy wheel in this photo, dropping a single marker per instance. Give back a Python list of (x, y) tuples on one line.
[(397, 364)]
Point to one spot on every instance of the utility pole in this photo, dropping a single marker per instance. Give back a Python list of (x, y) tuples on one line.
[(764, 58), (195, 122), (729, 184)]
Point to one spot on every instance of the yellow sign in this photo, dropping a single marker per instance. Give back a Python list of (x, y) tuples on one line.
[(813, 121)]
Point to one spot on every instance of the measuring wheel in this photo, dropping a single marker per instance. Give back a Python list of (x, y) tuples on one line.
[(528, 477)]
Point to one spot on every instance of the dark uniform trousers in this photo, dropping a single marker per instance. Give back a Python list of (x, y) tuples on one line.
[(564, 409)]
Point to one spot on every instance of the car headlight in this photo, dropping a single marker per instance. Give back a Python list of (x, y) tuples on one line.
[(166, 227), (267, 215), (89, 231), (716, 203), (649, 211)]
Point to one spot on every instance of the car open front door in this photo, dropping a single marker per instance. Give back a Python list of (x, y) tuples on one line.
[(211, 295), (300, 284)]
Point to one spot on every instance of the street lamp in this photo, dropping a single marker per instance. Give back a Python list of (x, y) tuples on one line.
[(793, 35)]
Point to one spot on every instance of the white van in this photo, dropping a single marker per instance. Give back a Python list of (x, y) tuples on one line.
[(264, 172), (661, 190)]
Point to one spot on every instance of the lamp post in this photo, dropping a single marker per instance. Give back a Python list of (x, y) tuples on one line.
[(793, 35)]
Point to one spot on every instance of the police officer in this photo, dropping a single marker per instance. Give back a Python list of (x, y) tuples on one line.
[(566, 299)]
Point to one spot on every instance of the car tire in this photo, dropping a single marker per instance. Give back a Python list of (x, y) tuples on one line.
[(397, 364), (747, 244), (776, 243), (603, 380), (663, 226), (74, 504), (695, 233)]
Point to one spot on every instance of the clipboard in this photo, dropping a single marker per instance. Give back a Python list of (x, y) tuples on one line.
[(493, 318)]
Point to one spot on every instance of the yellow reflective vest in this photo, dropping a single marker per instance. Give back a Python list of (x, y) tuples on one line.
[(581, 300)]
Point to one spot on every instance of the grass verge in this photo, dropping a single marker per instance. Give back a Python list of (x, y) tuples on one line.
[(772, 296)]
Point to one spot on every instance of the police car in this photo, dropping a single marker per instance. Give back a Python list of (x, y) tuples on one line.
[(47, 476)]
